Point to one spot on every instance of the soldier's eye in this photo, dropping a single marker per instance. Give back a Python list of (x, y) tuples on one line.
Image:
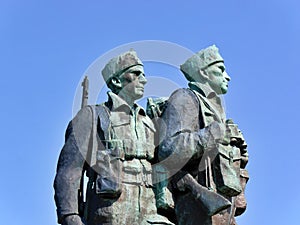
[(222, 68), (137, 73)]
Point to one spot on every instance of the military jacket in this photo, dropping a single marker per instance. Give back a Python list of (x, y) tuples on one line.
[(183, 118), (190, 110), (131, 130)]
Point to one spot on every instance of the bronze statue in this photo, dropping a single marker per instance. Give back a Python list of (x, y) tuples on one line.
[(208, 190), (113, 144)]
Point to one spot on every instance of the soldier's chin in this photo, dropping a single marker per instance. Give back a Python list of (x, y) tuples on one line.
[(139, 95), (224, 90)]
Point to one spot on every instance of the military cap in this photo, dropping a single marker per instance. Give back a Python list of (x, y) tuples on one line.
[(201, 60), (116, 66)]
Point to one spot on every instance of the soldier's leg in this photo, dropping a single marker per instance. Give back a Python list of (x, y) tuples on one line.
[(115, 211)]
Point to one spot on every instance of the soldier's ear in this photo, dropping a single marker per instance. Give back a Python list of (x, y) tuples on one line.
[(203, 75), (116, 82)]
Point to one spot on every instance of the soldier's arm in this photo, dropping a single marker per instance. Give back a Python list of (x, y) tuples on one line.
[(70, 164), (180, 139)]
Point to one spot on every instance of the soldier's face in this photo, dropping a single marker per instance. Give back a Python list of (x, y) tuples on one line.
[(217, 77), (133, 82)]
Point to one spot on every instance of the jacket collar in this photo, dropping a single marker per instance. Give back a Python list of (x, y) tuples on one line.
[(118, 104), (203, 89), (214, 100)]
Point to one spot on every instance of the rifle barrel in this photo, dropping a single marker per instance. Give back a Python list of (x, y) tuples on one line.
[(85, 91)]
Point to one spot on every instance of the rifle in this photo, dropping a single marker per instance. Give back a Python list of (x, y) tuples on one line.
[(85, 92), (210, 201), (81, 194)]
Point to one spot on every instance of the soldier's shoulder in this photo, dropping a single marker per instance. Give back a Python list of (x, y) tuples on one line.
[(90, 111), (84, 111), (100, 107), (183, 95)]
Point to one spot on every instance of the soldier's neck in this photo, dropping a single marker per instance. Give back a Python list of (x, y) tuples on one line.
[(127, 99)]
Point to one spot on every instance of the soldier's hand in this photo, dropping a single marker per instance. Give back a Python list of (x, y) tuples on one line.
[(72, 220)]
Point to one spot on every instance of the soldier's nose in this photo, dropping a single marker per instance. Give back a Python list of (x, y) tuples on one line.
[(142, 79), (227, 77)]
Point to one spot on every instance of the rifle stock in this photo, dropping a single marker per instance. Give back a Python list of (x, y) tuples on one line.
[(211, 202)]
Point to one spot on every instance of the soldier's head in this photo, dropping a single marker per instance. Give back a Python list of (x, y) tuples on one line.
[(207, 67), (124, 75)]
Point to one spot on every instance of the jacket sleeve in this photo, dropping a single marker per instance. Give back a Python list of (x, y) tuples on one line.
[(179, 135), (71, 162)]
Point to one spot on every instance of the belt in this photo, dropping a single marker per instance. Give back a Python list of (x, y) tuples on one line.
[(131, 148)]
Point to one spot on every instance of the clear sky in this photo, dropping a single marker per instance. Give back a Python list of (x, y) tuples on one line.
[(47, 46)]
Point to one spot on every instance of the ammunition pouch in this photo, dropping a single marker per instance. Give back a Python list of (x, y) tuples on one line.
[(226, 170), (108, 168), (123, 161), (112, 171), (240, 201)]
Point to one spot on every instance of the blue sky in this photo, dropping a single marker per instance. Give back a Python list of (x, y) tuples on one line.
[(47, 46)]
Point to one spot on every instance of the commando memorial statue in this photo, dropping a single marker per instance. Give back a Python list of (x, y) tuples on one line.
[(180, 161)]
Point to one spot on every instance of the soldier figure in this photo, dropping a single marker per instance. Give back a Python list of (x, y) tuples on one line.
[(114, 144), (196, 131)]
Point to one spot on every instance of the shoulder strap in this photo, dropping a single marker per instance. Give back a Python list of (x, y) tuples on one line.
[(101, 112), (105, 123), (92, 143)]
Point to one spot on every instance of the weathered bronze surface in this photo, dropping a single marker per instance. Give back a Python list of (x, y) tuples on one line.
[(195, 176), (114, 144), (196, 131)]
